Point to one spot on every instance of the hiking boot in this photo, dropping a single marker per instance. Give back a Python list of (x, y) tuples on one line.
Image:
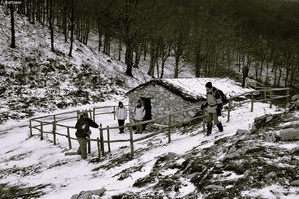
[(220, 127), (209, 129)]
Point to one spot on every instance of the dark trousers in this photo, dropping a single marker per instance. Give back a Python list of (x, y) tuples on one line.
[(121, 124), (82, 150)]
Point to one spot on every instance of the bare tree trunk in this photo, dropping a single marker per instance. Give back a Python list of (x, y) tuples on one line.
[(119, 50), (50, 18), (100, 36), (129, 58), (137, 55), (153, 59), (107, 40), (279, 76), (164, 57), (72, 19), (178, 54), (267, 72), (12, 23)]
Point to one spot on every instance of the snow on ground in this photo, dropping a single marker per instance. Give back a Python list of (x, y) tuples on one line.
[(69, 174)]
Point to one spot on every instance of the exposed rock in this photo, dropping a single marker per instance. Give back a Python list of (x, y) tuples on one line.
[(271, 137), (89, 194), (2, 90), (241, 132), (295, 151), (295, 98), (295, 183), (215, 187), (260, 122), (271, 175), (288, 134)]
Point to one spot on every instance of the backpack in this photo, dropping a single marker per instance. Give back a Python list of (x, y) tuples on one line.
[(223, 97)]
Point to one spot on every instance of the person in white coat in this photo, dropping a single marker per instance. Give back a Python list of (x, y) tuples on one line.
[(121, 114), (139, 114)]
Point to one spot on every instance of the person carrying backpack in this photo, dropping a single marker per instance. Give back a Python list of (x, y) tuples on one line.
[(83, 132), (214, 106)]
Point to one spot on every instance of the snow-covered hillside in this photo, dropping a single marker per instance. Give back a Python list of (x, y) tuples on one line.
[(34, 79), (158, 169)]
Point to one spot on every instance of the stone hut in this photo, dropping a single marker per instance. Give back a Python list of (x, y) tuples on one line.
[(164, 96)]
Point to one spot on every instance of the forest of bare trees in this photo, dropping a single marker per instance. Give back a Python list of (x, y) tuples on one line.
[(211, 35)]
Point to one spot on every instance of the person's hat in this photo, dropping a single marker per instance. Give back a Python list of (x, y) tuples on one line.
[(84, 114), (209, 85)]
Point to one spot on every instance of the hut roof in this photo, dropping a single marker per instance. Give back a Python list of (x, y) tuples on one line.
[(193, 89)]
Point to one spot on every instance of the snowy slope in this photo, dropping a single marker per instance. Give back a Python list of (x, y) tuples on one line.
[(44, 163)]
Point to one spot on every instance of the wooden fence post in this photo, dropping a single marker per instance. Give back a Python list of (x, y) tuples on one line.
[(90, 113), (69, 138), (288, 99), (54, 132), (99, 148), (108, 139), (88, 145), (228, 111), (102, 140), (131, 141), (94, 114), (78, 115), (265, 94), (114, 112), (169, 132), (204, 122), (30, 126), (41, 131), (251, 102), (271, 98)]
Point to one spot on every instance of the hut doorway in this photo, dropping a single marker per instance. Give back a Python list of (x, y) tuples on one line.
[(148, 109)]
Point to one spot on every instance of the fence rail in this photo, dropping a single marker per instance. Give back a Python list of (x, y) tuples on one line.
[(265, 94)]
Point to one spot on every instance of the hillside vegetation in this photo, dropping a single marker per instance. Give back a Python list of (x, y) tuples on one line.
[(212, 36)]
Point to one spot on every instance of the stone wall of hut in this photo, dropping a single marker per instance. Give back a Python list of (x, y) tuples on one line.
[(163, 103)]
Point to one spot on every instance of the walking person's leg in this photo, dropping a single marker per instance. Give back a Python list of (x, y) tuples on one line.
[(209, 123), (121, 124), (138, 127), (217, 122), (82, 147)]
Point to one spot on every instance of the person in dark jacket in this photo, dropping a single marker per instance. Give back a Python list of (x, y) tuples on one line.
[(214, 107), (83, 132)]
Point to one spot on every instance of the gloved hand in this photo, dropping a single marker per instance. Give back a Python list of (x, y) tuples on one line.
[(89, 133), (203, 105)]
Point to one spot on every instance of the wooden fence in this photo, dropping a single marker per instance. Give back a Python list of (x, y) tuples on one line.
[(54, 120)]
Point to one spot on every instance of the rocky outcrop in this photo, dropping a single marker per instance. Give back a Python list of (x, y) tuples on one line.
[(294, 102), (91, 194), (290, 134)]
